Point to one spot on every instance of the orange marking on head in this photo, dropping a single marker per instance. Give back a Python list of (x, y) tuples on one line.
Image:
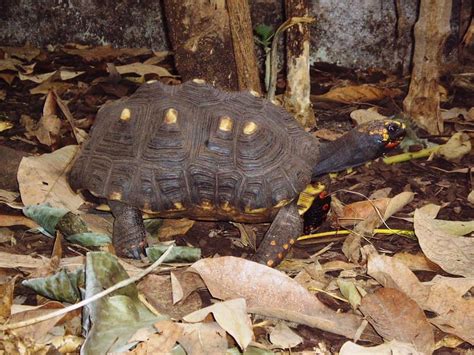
[(325, 207), (323, 194)]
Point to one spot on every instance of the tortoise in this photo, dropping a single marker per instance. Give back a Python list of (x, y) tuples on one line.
[(194, 151)]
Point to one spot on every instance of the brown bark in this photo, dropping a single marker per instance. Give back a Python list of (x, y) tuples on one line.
[(199, 32), (297, 95), (243, 43), (422, 103)]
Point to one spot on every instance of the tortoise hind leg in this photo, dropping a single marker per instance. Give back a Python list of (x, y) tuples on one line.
[(282, 234), (129, 231)]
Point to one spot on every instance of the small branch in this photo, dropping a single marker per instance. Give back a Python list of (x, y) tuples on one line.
[(400, 158), (111, 289), (402, 232)]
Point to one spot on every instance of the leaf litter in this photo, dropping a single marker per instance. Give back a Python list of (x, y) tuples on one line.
[(318, 288)]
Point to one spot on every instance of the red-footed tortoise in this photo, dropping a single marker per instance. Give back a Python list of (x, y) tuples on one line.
[(194, 151)]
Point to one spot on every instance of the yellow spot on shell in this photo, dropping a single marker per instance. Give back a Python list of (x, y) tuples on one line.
[(270, 263), (206, 205), (226, 206), (226, 123), (255, 210), (178, 206), (199, 81), (171, 116), (250, 127), (126, 114), (254, 93), (282, 203), (117, 196)]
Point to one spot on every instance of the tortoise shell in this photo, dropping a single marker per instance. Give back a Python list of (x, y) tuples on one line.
[(194, 151)]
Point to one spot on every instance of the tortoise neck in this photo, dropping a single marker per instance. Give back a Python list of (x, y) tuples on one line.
[(352, 149)]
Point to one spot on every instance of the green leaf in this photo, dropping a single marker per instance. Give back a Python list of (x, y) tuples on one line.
[(265, 32), (62, 286), (116, 317), (177, 255), (45, 215), (89, 239)]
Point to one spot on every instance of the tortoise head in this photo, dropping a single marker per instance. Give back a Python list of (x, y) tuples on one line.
[(386, 133)]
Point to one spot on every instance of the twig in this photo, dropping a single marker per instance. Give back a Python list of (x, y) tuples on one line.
[(101, 294), (63, 106), (409, 156), (401, 232)]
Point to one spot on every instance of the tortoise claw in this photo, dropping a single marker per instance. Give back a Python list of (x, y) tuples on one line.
[(136, 252)]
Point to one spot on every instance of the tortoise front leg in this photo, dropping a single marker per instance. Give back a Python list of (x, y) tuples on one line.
[(129, 231), (282, 234)]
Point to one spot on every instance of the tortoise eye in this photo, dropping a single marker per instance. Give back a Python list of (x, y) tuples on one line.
[(392, 127)]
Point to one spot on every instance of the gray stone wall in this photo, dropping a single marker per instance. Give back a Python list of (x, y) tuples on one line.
[(354, 33)]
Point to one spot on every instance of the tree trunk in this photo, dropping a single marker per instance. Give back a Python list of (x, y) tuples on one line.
[(422, 103), (297, 95), (213, 40), (243, 43), (199, 32)]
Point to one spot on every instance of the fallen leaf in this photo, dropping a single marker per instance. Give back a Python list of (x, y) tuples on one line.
[(361, 210), (358, 93), (391, 348), (396, 317), (443, 296), (271, 293), (362, 116), (194, 334), (26, 52), (327, 134), (231, 316), (452, 253), (171, 228), (8, 78), (104, 53), (44, 88), (42, 179), (283, 337), (416, 262), (38, 78), (143, 69), (456, 147), (158, 292), (161, 343), (6, 299), (5, 126)]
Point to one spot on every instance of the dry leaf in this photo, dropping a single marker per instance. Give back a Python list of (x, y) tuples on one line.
[(362, 116), (5, 125), (361, 210), (358, 93), (27, 52), (396, 317), (194, 334), (283, 337), (8, 78), (38, 78), (104, 53), (456, 147), (443, 296), (271, 293), (163, 342), (453, 253), (391, 348), (143, 69), (42, 179), (416, 262), (230, 315), (6, 299), (171, 228)]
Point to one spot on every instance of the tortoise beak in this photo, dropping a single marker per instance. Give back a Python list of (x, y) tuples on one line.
[(396, 132)]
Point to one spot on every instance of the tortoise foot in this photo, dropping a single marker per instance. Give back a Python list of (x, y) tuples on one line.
[(282, 234), (129, 231)]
